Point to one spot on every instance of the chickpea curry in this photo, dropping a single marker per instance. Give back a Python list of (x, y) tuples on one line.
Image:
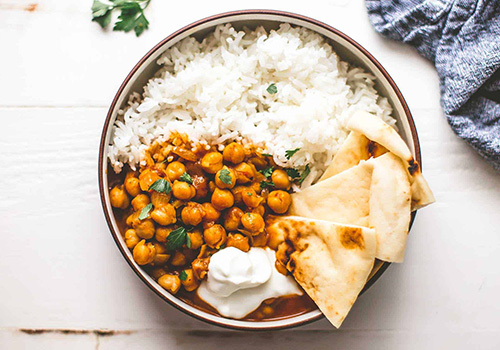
[(188, 202)]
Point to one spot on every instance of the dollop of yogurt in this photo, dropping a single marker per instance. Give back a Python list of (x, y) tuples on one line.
[(238, 282)]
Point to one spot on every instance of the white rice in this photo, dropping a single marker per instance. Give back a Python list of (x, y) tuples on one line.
[(215, 91)]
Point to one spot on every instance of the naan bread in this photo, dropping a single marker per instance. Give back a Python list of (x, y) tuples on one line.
[(390, 207), (343, 198), (380, 132), (330, 261)]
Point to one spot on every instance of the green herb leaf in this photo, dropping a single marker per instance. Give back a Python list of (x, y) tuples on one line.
[(161, 186), (145, 211), (250, 194), (177, 238), (267, 172), (266, 184), (188, 241), (304, 174), (131, 16), (183, 275), (290, 153), (266, 154), (100, 9), (186, 178), (293, 173), (225, 177), (272, 89)]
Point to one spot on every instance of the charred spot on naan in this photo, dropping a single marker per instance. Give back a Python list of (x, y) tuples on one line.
[(352, 238), (413, 167), (375, 150)]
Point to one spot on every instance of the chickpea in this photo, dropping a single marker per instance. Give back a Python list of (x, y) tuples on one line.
[(161, 256), (164, 215), (171, 283), (119, 198), (178, 259), (211, 186), (238, 241), (260, 240), (175, 170), (146, 178), (215, 236), (259, 163), (276, 236), (196, 238), (133, 219), (144, 228), (140, 201), (192, 214), (144, 253), (212, 162), (261, 210), (229, 177), (211, 214), (234, 153), (283, 256), (250, 198), (232, 218), (207, 224), (253, 223), (190, 283), (160, 199), (222, 199), (244, 173), (200, 267), (131, 238), (256, 186), (183, 191), (162, 233), (267, 311), (200, 184), (157, 272), (279, 201), (132, 185), (280, 179)]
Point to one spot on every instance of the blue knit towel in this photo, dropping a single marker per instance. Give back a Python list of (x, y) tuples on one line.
[(462, 39)]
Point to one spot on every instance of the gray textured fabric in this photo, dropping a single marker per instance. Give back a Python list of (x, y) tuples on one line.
[(462, 39)]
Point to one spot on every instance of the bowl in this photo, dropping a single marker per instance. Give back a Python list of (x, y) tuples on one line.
[(348, 50)]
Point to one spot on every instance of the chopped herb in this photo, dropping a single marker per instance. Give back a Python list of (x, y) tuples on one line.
[(266, 184), (145, 211), (225, 177), (304, 174), (272, 89), (222, 246), (290, 153), (161, 186), (266, 154), (267, 172), (183, 275), (186, 178), (131, 16), (293, 173), (164, 161), (177, 238), (188, 241), (249, 194)]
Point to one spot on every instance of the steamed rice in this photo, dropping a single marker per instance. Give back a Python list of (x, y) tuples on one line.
[(215, 92)]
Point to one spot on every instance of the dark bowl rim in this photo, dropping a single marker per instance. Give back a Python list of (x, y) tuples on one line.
[(103, 159)]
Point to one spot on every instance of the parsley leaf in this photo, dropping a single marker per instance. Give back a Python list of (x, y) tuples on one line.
[(145, 211), (290, 153), (266, 154), (186, 178), (304, 174), (267, 172), (293, 173), (183, 275), (266, 184), (161, 185), (225, 177), (272, 89), (131, 16), (177, 238)]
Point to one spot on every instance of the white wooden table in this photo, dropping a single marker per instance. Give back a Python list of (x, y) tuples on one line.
[(65, 285)]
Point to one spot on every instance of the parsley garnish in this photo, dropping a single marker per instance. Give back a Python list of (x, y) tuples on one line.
[(177, 238), (225, 177), (290, 153), (161, 185), (272, 89), (186, 178), (145, 211), (293, 173), (304, 174), (131, 15), (183, 275), (267, 172), (249, 194), (266, 154), (266, 184)]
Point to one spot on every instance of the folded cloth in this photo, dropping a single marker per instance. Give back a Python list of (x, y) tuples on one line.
[(462, 38)]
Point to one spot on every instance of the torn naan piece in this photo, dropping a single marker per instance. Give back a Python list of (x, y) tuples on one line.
[(330, 261), (343, 198), (382, 133), (390, 207)]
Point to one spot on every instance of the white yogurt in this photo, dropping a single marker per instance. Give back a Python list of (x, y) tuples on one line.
[(239, 282)]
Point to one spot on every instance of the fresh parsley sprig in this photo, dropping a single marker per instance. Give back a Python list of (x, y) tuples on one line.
[(186, 178), (131, 16), (225, 177), (272, 89), (145, 211), (267, 172), (306, 172), (161, 186), (177, 238), (289, 154)]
